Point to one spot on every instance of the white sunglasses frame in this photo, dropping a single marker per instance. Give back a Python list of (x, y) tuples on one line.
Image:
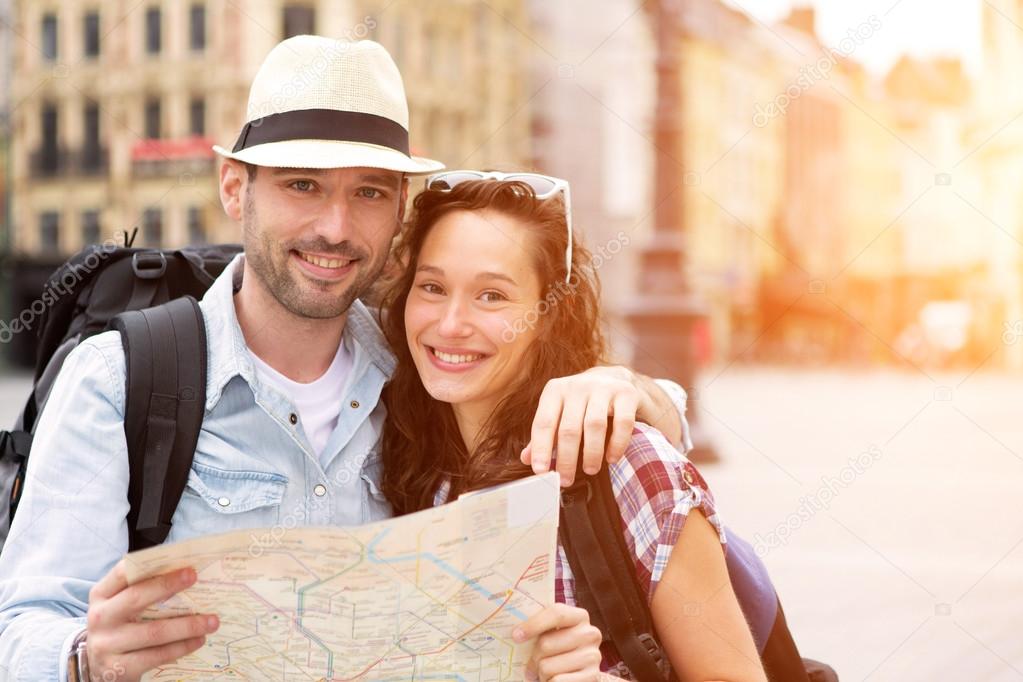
[(560, 185)]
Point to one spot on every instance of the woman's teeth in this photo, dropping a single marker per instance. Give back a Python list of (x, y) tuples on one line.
[(455, 359), (323, 262)]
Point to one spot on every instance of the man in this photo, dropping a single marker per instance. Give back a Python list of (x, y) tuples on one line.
[(318, 180)]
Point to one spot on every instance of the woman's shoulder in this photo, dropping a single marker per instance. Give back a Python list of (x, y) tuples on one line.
[(654, 465), (648, 444)]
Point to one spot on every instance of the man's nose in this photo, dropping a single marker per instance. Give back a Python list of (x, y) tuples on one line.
[(334, 222)]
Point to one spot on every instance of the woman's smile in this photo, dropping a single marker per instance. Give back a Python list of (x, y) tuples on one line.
[(455, 359)]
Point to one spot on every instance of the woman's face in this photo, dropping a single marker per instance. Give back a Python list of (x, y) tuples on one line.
[(472, 311)]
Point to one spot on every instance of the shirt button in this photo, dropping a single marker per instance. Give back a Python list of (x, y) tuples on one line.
[(223, 501), (687, 476), (320, 490), (354, 404), (293, 418)]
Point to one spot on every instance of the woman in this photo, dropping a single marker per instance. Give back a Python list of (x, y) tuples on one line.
[(494, 301)]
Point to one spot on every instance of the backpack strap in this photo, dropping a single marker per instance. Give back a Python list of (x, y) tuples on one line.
[(165, 362), (591, 532), (14, 448)]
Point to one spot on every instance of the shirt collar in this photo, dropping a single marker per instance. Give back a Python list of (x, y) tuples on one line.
[(228, 356)]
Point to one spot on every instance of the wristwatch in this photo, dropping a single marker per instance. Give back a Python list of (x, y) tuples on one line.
[(78, 660)]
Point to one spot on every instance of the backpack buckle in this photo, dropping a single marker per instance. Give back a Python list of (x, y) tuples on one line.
[(655, 651), (15, 444), (148, 264), (580, 492)]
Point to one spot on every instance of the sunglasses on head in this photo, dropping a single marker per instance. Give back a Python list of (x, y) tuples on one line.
[(543, 186)]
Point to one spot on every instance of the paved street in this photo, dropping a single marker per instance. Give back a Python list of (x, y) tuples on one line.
[(905, 564), (908, 565)]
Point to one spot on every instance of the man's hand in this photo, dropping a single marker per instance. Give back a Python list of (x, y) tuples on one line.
[(118, 644), (577, 408)]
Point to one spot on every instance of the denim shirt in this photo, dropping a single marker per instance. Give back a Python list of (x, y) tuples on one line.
[(252, 468)]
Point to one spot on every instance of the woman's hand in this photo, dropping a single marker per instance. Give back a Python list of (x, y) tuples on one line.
[(567, 647)]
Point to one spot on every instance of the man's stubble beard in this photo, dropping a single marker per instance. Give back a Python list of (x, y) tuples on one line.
[(278, 279)]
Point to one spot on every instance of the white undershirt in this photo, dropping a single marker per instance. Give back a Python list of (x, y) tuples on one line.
[(318, 402)]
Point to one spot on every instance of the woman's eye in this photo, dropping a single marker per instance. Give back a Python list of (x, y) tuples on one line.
[(431, 288), (493, 296)]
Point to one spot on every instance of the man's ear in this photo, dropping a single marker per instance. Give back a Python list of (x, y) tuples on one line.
[(233, 181)]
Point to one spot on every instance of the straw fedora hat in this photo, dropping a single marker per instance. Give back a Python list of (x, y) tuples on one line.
[(322, 103)]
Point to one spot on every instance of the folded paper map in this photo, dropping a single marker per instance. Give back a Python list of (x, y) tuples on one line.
[(428, 596)]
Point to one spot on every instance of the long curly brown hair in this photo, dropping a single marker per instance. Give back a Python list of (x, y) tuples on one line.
[(422, 445)]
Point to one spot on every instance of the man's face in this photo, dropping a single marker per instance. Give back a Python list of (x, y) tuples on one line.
[(319, 238)]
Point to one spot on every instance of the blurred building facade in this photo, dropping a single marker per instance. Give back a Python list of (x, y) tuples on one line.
[(996, 133), (592, 92), (825, 207)]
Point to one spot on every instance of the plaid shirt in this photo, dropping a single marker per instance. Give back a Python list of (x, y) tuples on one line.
[(655, 486)]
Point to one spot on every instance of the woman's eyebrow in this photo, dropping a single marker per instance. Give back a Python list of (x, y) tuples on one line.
[(482, 275), (497, 275)]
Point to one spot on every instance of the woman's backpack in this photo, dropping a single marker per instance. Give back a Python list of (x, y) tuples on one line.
[(606, 585)]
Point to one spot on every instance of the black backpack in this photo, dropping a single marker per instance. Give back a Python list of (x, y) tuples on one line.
[(606, 585), (149, 296)]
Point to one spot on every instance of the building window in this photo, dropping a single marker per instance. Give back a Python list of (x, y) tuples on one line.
[(153, 30), (299, 20), (49, 161), (196, 226), (197, 116), (50, 37), (153, 118), (49, 230), (91, 160), (152, 227), (197, 27), (90, 227), (91, 37)]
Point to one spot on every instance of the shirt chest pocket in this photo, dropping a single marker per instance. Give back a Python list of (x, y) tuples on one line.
[(217, 500)]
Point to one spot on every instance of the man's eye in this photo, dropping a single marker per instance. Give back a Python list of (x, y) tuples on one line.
[(370, 193), (493, 296), (302, 185)]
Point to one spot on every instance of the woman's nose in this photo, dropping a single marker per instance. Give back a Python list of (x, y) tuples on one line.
[(454, 320)]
